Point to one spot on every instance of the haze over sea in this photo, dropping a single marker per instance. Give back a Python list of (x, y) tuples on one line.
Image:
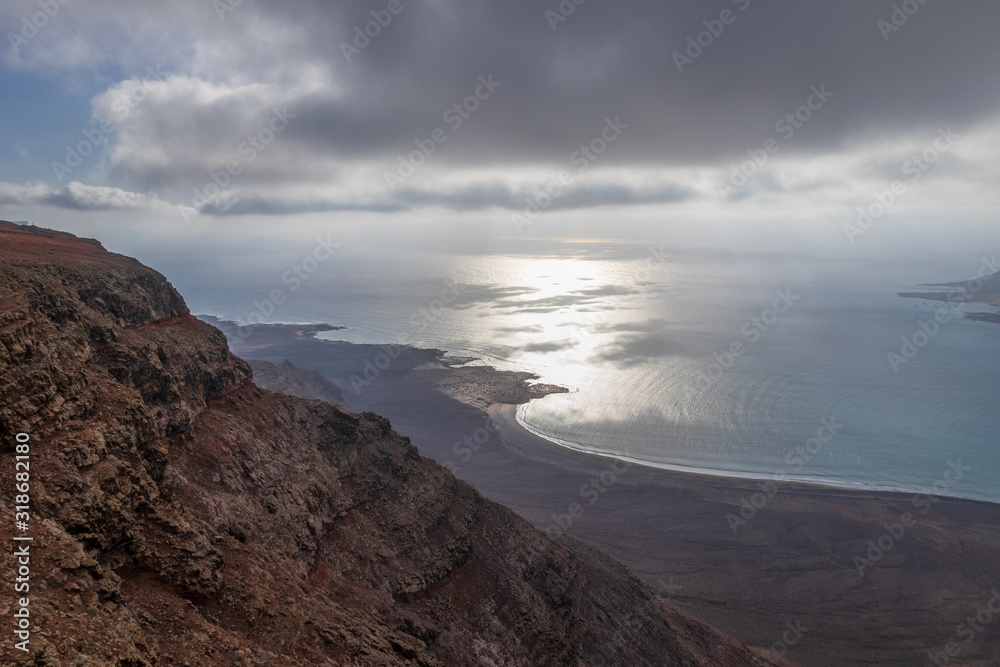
[(634, 332)]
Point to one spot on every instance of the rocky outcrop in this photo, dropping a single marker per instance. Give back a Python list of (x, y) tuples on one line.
[(287, 378), (182, 515)]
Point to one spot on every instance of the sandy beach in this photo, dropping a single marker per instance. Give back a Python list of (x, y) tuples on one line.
[(867, 578)]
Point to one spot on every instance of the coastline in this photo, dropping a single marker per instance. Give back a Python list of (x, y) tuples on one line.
[(519, 431), (525, 443), (983, 291), (530, 444), (483, 386), (746, 556)]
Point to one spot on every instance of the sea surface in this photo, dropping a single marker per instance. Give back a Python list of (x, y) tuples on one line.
[(665, 360)]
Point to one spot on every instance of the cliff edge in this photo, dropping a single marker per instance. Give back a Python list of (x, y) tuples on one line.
[(182, 515)]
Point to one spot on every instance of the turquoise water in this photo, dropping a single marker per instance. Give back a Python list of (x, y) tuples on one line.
[(635, 334)]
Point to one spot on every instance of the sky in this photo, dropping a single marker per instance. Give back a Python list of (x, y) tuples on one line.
[(852, 127)]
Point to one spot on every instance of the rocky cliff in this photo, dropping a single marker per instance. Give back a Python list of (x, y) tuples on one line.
[(287, 378), (182, 515)]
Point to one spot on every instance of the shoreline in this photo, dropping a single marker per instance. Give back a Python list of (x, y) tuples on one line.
[(523, 388), (744, 556), (519, 429), (535, 446)]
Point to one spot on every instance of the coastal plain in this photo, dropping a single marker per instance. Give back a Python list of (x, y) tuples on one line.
[(850, 576)]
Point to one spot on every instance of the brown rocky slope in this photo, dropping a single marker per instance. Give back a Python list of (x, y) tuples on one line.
[(287, 378), (182, 515)]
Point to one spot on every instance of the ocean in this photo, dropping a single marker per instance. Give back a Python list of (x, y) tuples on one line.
[(761, 366)]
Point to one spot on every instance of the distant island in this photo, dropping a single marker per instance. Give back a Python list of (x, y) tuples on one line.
[(984, 290)]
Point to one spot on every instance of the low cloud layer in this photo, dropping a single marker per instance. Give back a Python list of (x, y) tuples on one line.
[(268, 108), (76, 197)]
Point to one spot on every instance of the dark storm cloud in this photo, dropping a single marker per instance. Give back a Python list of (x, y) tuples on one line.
[(612, 58), (530, 98)]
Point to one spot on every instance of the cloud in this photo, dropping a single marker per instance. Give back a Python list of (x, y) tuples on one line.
[(352, 122), (75, 196)]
